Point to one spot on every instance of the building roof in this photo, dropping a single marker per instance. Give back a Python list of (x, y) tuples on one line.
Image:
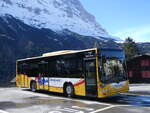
[(140, 55), (146, 54)]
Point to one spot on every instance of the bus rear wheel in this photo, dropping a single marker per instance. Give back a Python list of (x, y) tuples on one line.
[(69, 90), (33, 86)]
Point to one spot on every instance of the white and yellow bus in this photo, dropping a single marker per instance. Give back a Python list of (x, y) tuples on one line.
[(92, 72)]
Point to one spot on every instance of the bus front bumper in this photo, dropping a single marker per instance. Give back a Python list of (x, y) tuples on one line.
[(110, 90)]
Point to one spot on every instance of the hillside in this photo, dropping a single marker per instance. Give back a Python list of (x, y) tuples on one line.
[(144, 47)]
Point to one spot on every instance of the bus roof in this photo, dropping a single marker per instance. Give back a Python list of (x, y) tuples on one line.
[(57, 53)]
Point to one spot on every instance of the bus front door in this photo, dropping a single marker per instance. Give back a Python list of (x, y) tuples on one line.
[(90, 78)]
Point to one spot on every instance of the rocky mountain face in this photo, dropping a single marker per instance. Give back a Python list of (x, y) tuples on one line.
[(54, 14), (31, 27)]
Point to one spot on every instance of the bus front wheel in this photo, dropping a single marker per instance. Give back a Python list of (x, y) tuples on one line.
[(69, 90), (33, 86)]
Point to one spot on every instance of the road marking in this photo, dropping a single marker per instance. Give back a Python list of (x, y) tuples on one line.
[(65, 110), (69, 110), (103, 109), (83, 108), (123, 105), (2, 111), (54, 112)]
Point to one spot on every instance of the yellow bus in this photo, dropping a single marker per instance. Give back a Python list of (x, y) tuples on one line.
[(91, 72)]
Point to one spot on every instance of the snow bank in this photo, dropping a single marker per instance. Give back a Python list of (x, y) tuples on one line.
[(140, 88)]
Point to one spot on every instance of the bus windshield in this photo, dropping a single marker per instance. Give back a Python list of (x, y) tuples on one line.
[(112, 65)]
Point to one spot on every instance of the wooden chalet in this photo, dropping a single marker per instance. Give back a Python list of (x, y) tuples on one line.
[(139, 69)]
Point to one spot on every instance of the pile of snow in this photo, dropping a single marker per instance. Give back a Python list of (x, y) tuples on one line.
[(140, 88)]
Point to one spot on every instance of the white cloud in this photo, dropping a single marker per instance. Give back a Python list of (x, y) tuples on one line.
[(139, 34)]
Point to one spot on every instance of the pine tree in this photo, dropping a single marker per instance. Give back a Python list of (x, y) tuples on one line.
[(130, 48)]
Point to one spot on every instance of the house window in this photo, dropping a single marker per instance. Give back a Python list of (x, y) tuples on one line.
[(130, 74), (146, 74), (144, 62)]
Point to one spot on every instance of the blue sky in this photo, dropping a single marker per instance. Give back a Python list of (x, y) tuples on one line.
[(122, 18)]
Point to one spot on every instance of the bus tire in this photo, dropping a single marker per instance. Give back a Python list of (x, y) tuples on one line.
[(33, 86), (69, 90)]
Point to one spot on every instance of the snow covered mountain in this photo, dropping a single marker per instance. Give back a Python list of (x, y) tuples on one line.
[(54, 14)]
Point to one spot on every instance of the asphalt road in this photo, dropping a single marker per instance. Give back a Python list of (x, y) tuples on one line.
[(17, 100)]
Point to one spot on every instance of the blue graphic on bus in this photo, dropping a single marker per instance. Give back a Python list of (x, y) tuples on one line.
[(43, 81)]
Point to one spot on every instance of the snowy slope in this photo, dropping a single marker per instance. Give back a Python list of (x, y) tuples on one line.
[(54, 14)]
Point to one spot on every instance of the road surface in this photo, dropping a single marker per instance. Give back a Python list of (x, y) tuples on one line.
[(17, 100)]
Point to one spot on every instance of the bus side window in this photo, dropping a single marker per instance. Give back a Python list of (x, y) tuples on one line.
[(69, 67), (25, 68), (19, 68), (52, 69), (73, 67), (43, 68)]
